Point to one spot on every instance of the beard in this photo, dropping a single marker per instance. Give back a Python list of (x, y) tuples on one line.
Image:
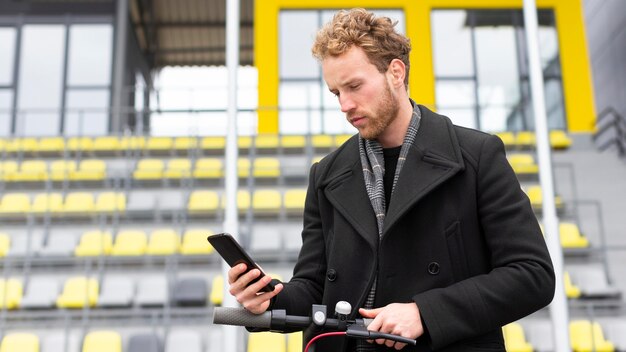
[(385, 112)]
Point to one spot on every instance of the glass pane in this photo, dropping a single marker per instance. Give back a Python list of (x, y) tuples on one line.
[(90, 55), (300, 108), (455, 99), (554, 104), (6, 102), (297, 31), (452, 44), (40, 81), (87, 112), (7, 48), (549, 48), (460, 116)]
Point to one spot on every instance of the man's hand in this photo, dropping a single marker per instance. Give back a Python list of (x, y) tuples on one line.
[(397, 318), (250, 297)]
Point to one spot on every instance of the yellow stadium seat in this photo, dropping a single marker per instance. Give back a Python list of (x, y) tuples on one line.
[(244, 142), (47, 203), (195, 242), (266, 167), (523, 164), (106, 144), (243, 167), (79, 292), (94, 243), (7, 169), (571, 290), (293, 142), (208, 168), (5, 244), (61, 169), (525, 139), (322, 141), (213, 143), (31, 171), (559, 139), (163, 242), (149, 169), (132, 142), (587, 337), (20, 342), (178, 168), (79, 202), (514, 339), (571, 237), (11, 292), (266, 141), (294, 342), (341, 139), (82, 144), (294, 200), (89, 170), (26, 145), (266, 201), (508, 138), (536, 198), (243, 200), (51, 145), (267, 341), (217, 291), (160, 143), (102, 341), (110, 202), (15, 203), (185, 143), (130, 243), (203, 201)]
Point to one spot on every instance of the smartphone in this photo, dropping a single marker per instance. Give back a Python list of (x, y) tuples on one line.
[(234, 254)]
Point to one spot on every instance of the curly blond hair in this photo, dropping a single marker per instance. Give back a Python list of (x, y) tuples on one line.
[(359, 27)]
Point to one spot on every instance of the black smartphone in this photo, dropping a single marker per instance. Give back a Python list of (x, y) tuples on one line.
[(234, 254)]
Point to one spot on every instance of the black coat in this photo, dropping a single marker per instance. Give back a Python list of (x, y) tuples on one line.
[(460, 240)]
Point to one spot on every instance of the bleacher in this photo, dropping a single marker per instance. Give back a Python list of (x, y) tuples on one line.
[(104, 240)]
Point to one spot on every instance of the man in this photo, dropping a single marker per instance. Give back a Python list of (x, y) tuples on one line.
[(419, 223)]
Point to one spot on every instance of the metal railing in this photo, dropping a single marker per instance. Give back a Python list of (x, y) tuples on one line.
[(611, 132)]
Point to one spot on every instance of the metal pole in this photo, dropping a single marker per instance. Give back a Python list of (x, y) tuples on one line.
[(232, 335), (558, 307), (121, 30)]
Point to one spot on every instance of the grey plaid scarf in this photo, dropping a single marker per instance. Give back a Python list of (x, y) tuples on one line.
[(373, 163)]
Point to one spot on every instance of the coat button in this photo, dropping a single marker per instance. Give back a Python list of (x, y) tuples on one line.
[(433, 268), (331, 275)]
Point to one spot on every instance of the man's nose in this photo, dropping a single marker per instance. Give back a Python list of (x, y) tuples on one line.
[(346, 103)]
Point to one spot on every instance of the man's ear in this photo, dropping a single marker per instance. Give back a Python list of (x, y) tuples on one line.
[(397, 70)]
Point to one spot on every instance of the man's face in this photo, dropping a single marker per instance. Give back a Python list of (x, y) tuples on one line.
[(364, 93)]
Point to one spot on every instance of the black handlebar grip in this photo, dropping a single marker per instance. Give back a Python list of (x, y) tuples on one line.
[(241, 317)]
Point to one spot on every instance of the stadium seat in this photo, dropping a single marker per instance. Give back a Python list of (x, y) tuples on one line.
[(217, 291), (79, 202), (149, 169), (5, 244), (130, 243), (152, 291), (110, 202), (15, 204), (160, 144), (266, 201), (536, 198), (106, 144), (178, 168), (185, 143), (47, 203), (26, 244), (59, 245), (195, 243), (20, 342), (94, 243), (592, 281), (144, 342), (289, 142), (190, 292), (266, 341), (117, 291), (525, 139), (141, 202), (507, 137), (243, 200), (294, 342), (61, 170), (514, 338), (266, 142), (132, 142), (244, 142), (183, 340), (21, 145), (163, 242), (203, 202), (61, 341), (89, 170), (559, 140), (586, 337), (571, 291), (294, 200), (102, 341), (41, 292), (243, 167), (571, 237), (50, 145), (11, 292), (80, 144), (31, 171), (322, 141), (78, 292), (616, 333), (208, 168), (213, 143), (7, 169), (341, 139), (523, 164), (266, 167)]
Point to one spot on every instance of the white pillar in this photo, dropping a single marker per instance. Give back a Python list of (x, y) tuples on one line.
[(558, 307)]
